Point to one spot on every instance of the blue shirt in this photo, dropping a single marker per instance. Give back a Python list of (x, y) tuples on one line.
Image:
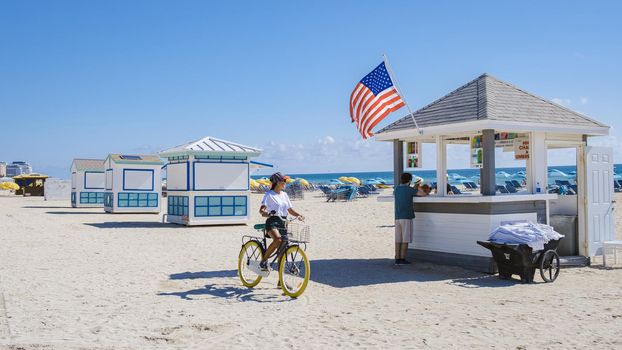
[(404, 208)]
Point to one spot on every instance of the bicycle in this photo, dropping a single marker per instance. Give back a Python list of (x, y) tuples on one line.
[(293, 265)]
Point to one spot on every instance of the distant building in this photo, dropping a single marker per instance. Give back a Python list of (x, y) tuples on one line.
[(18, 168), (87, 183), (208, 182), (133, 183), (2, 169)]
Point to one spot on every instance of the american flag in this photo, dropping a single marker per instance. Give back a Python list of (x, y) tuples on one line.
[(373, 98)]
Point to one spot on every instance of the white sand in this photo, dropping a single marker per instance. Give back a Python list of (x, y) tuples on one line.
[(79, 278)]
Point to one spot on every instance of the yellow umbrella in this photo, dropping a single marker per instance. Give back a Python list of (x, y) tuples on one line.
[(355, 180), (344, 179), (11, 186)]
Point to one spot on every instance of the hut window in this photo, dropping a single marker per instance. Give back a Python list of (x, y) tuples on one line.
[(91, 197), (178, 205), (137, 200), (205, 206)]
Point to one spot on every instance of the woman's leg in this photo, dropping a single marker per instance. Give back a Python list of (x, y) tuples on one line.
[(276, 242)]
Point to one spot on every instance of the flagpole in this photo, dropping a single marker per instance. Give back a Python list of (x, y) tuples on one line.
[(391, 75)]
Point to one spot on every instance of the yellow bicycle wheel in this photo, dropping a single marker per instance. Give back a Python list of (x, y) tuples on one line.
[(294, 271), (250, 255)]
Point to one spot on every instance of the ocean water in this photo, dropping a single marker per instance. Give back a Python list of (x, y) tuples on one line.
[(430, 175)]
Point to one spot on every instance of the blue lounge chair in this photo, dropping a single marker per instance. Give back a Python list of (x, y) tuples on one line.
[(511, 188), (516, 184), (455, 190), (364, 191), (502, 189)]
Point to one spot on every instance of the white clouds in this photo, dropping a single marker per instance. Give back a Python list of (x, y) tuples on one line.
[(567, 102), (329, 154), (327, 140)]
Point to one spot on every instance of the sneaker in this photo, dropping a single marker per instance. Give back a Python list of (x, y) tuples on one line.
[(398, 261), (405, 262), (263, 266)]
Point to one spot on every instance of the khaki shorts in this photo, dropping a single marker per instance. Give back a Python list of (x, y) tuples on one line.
[(403, 231)]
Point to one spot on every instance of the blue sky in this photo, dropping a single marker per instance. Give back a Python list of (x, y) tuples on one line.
[(88, 78)]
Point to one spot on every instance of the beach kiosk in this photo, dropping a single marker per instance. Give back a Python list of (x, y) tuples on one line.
[(133, 183), (208, 182), (488, 114), (87, 183)]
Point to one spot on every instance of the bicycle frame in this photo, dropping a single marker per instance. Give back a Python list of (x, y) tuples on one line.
[(263, 243)]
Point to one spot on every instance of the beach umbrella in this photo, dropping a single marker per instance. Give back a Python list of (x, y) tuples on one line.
[(344, 179), (11, 186), (354, 180), (254, 184)]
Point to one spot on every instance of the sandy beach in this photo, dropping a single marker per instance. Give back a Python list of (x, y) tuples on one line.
[(82, 279)]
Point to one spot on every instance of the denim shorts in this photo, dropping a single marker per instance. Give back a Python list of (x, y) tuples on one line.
[(275, 222)]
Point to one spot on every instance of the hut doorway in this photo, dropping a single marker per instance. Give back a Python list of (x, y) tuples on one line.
[(562, 179)]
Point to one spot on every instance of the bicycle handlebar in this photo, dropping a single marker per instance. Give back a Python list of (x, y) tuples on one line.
[(273, 214)]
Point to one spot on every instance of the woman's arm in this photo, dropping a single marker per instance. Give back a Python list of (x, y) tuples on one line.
[(295, 213), (263, 211)]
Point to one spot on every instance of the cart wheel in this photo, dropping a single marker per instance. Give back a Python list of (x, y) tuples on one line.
[(549, 266)]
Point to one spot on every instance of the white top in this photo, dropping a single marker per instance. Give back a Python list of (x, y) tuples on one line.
[(278, 202)]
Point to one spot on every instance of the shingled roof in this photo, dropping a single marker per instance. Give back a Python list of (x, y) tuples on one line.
[(487, 98), (211, 146), (89, 164)]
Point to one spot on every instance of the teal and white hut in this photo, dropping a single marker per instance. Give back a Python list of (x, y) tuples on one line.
[(207, 182)]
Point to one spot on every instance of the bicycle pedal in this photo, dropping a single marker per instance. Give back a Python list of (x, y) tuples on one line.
[(253, 265)]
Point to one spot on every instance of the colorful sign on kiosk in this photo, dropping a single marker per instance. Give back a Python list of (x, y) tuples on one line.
[(509, 141), (413, 153)]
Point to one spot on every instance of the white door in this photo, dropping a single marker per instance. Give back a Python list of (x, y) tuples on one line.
[(599, 182)]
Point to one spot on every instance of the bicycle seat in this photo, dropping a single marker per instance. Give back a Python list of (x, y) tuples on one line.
[(259, 226)]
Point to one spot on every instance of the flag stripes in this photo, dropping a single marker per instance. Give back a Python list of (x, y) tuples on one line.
[(372, 99)]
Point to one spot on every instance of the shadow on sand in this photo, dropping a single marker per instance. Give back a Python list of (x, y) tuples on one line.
[(75, 212), (132, 224), (232, 289), (344, 273), (45, 207), (203, 274), (232, 292)]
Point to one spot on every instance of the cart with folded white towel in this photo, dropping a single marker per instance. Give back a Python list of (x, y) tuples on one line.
[(519, 248)]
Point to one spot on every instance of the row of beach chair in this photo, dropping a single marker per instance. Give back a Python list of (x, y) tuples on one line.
[(347, 192)]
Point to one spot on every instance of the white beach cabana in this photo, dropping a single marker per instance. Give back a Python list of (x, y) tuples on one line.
[(485, 114), (208, 182), (132, 183), (87, 183)]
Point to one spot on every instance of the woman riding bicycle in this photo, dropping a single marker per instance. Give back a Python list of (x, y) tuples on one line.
[(275, 205)]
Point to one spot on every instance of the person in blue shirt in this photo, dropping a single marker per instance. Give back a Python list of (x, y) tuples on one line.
[(404, 216)]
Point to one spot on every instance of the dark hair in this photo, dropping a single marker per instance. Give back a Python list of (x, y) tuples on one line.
[(406, 178), (275, 178)]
